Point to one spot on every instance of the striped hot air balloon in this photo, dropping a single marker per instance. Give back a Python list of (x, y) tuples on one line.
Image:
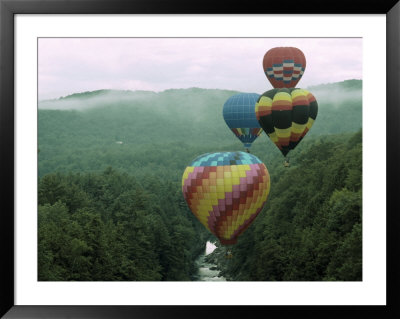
[(284, 66), (286, 115), (226, 191)]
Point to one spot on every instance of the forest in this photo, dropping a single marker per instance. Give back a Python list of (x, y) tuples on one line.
[(110, 205)]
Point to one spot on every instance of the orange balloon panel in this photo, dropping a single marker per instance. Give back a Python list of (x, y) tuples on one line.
[(226, 191)]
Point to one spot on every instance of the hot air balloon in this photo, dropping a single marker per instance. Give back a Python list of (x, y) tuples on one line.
[(286, 115), (240, 117), (226, 191), (284, 66)]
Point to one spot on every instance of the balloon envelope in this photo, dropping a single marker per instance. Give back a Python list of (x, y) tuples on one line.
[(226, 191), (240, 117), (286, 115), (284, 66)]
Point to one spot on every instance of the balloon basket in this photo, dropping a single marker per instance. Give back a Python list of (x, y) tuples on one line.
[(228, 254), (286, 162)]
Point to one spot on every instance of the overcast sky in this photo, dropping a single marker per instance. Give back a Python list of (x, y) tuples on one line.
[(71, 65)]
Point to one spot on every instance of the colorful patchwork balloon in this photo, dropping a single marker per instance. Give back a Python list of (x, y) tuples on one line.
[(286, 115), (240, 117), (284, 66), (226, 191)]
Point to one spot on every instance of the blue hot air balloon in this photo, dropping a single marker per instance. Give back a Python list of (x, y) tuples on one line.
[(239, 114)]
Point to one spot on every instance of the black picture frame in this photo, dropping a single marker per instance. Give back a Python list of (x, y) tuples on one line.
[(8, 8)]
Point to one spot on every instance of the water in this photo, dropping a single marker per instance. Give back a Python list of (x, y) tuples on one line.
[(210, 247), (205, 273)]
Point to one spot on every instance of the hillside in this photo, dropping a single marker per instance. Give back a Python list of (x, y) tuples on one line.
[(92, 130)]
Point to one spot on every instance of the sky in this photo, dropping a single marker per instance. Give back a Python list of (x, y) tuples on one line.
[(73, 65)]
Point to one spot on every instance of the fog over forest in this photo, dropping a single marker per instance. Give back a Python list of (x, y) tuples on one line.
[(110, 201)]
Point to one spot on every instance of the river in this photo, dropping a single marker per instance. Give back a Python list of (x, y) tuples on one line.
[(205, 273)]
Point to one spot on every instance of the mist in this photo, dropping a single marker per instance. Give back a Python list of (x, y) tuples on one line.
[(337, 94), (95, 99), (193, 104)]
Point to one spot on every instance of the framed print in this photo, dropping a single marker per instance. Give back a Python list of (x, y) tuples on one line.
[(163, 159)]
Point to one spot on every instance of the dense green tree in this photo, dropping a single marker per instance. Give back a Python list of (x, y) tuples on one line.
[(108, 227), (310, 228)]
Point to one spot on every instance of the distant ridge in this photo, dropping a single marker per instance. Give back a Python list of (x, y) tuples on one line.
[(347, 85), (96, 93), (128, 93), (193, 97)]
